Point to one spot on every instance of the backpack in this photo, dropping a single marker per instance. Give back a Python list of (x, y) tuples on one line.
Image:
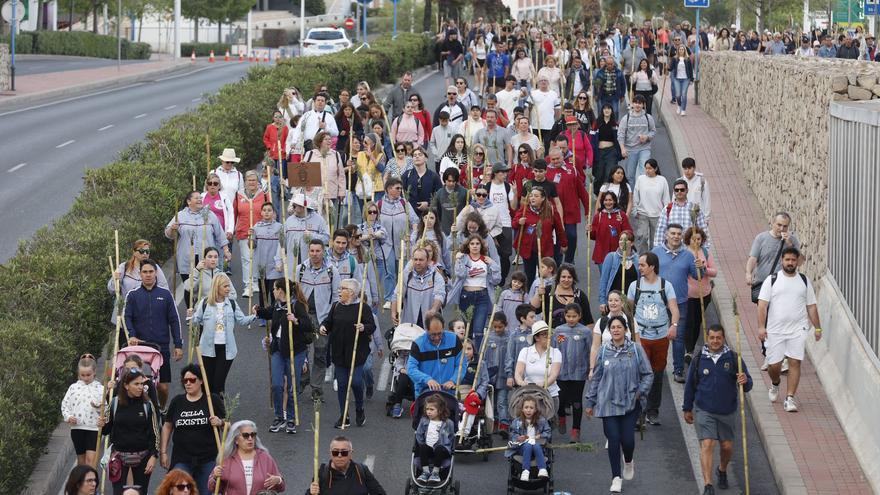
[(205, 305), (662, 292), (773, 281)]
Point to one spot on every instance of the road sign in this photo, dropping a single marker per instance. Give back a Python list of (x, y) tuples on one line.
[(349, 23), (696, 4), (21, 12), (871, 8)]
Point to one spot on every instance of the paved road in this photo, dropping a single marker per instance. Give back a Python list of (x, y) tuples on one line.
[(26, 65), (47, 147), (663, 464)]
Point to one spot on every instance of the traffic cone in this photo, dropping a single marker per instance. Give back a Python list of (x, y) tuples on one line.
[(240, 57), (251, 56), (266, 57), (211, 57), (226, 57), (193, 57), (277, 58)]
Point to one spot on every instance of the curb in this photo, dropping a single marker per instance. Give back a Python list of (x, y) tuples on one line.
[(785, 470)]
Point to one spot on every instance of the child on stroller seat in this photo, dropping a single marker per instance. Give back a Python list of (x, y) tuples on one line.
[(434, 437), (528, 432)]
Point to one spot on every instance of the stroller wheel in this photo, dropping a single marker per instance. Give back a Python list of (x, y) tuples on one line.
[(408, 488), (509, 486), (456, 488)]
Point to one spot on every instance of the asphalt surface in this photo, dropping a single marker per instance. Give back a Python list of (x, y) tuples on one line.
[(47, 147), (26, 65), (663, 465)]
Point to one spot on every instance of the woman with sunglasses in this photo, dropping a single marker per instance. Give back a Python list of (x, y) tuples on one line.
[(178, 482), (521, 171), (348, 121), (219, 204), (362, 88), (129, 272), (82, 480), (366, 103), (374, 234), (132, 427), (422, 114), (247, 466), (370, 165), (188, 424), (475, 167)]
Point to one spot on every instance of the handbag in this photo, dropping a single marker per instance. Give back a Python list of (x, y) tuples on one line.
[(114, 468), (364, 187), (654, 88)]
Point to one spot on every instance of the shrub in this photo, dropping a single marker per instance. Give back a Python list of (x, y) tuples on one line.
[(204, 49), (273, 38), (24, 43), (55, 300)]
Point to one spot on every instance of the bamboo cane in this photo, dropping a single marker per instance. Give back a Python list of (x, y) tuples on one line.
[(250, 280), (174, 257), (632, 66), (194, 182), (263, 301), (317, 448), (468, 318), (372, 255), (742, 402), (281, 174), (220, 463), (101, 415), (208, 153), (580, 447), (400, 262), (549, 319), (390, 136), (539, 228), (537, 121), (357, 334), (590, 210), (350, 168), (694, 213), (293, 380), (192, 281), (624, 244), (208, 395), (479, 358)]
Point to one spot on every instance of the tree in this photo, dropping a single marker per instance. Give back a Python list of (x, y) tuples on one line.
[(195, 9)]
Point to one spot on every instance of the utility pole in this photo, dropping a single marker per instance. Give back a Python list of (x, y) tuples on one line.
[(119, 36), (177, 28)]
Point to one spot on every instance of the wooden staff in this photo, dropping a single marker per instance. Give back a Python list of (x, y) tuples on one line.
[(192, 281), (350, 157), (742, 402), (549, 319), (590, 210), (695, 211), (624, 242), (468, 317), (208, 152), (372, 254), (208, 395), (263, 301), (632, 66), (537, 121), (665, 74), (539, 227), (194, 182), (174, 257), (391, 137), (357, 334), (317, 448), (281, 173), (220, 463), (486, 336), (522, 228), (400, 261), (293, 380), (250, 280), (107, 368)]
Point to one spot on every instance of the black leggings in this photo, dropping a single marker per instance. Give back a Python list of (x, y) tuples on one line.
[(138, 477), (433, 456), (570, 394), (693, 330), (217, 368)]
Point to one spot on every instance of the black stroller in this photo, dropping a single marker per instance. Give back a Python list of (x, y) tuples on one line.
[(400, 341), (479, 435), (548, 410), (447, 485)]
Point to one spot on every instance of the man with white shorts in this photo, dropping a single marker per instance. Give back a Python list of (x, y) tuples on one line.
[(786, 312)]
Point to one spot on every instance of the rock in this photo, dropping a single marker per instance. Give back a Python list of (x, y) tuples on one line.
[(852, 78), (839, 97), (867, 80), (839, 84), (876, 89), (857, 93)]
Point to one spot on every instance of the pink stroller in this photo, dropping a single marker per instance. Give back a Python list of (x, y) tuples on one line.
[(153, 361)]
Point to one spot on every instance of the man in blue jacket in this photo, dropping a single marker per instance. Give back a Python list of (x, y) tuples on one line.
[(151, 316), (711, 398), (434, 358)]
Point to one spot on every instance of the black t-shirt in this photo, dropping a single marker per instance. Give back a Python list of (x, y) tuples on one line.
[(454, 48), (192, 437), (548, 187)]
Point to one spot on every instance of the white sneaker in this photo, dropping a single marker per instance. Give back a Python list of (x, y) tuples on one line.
[(524, 476), (247, 293), (790, 405), (256, 288), (606, 444), (387, 305), (629, 470), (616, 485), (683, 113), (765, 366), (678, 111), (542, 473), (784, 366), (335, 386), (773, 393)]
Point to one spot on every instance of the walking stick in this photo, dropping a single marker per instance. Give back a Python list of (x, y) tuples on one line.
[(208, 153), (589, 261), (400, 262), (483, 346), (192, 281), (549, 319), (632, 66), (208, 395), (174, 258), (742, 410), (522, 228), (468, 316), (357, 334), (220, 456), (263, 301), (372, 254), (350, 157), (250, 280), (624, 244), (694, 213), (101, 415), (317, 429), (539, 227), (293, 380)]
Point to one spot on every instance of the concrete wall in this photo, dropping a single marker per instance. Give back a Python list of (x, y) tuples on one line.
[(775, 110), (5, 68)]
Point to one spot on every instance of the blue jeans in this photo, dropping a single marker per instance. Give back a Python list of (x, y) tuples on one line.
[(680, 90), (368, 368), (357, 386), (199, 472), (621, 434), (388, 273), (634, 165), (571, 233), (280, 372), (528, 451), (678, 343), (482, 305), (501, 412)]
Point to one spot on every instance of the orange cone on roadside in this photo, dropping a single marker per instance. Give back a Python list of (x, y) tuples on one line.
[(211, 57), (266, 57), (226, 57), (251, 56), (240, 57), (193, 56)]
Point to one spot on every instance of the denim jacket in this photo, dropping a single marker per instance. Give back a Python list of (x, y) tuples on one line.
[(621, 374), (518, 427), (447, 433), (574, 343), (208, 321)]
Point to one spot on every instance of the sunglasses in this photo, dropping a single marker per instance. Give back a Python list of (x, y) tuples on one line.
[(401, 150), (189, 381), (213, 183), (144, 251), (340, 453), (460, 82), (249, 435), (373, 212), (135, 371), (481, 195), (680, 189), (523, 151), (480, 153), (183, 486), (451, 94), (582, 97)]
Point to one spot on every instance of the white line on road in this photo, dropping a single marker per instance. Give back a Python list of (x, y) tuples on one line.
[(66, 143), (140, 115), (105, 127), (13, 169), (196, 99), (369, 461), (189, 73), (74, 98), (419, 80), (169, 107)]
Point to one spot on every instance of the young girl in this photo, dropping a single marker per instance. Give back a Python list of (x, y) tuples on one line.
[(527, 430), (458, 327), (434, 436), (513, 297), (572, 338), (80, 409)]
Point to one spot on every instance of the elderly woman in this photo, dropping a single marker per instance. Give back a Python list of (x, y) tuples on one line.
[(247, 466), (219, 203), (196, 228), (619, 387), (129, 272), (188, 423), (248, 204), (347, 318), (217, 314)]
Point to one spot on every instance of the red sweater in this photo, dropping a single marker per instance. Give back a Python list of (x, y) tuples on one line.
[(583, 150), (425, 119), (605, 230), (519, 174), (572, 193), (241, 208), (529, 246), (271, 138)]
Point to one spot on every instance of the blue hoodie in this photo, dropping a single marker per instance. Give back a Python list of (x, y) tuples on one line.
[(712, 385), (434, 362)]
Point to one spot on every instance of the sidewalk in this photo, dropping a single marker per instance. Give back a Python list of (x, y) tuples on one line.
[(808, 450)]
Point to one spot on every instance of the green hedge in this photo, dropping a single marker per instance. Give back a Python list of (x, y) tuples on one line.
[(24, 42), (55, 303), (85, 44), (204, 49)]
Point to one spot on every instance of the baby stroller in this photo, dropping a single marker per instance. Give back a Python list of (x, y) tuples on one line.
[(400, 341), (447, 485), (153, 361), (479, 434), (547, 410)]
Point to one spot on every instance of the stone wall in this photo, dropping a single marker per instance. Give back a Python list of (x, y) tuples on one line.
[(5, 68), (776, 112)]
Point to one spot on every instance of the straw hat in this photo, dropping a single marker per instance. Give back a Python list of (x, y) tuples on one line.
[(229, 156)]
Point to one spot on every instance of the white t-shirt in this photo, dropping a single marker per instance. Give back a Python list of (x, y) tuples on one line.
[(536, 366), (651, 195), (220, 329), (433, 433), (543, 105), (501, 201), (248, 466), (681, 69), (477, 274), (507, 100), (530, 139), (788, 299)]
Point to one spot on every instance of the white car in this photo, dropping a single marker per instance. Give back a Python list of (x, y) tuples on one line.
[(320, 41)]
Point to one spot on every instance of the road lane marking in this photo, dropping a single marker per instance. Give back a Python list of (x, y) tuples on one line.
[(73, 98), (105, 127), (66, 143), (369, 461), (196, 99), (169, 107), (13, 169), (139, 116), (190, 72)]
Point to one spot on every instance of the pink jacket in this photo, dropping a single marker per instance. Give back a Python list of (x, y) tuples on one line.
[(711, 272), (233, 483), (332, 172), (408, 128)]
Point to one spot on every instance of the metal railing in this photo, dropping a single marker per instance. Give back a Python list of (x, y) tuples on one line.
[(854, 222)]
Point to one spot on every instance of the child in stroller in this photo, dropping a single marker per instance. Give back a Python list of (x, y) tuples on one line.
[(531, 460), (477, 418), (400, 341), (434, 417), (149, 360)]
